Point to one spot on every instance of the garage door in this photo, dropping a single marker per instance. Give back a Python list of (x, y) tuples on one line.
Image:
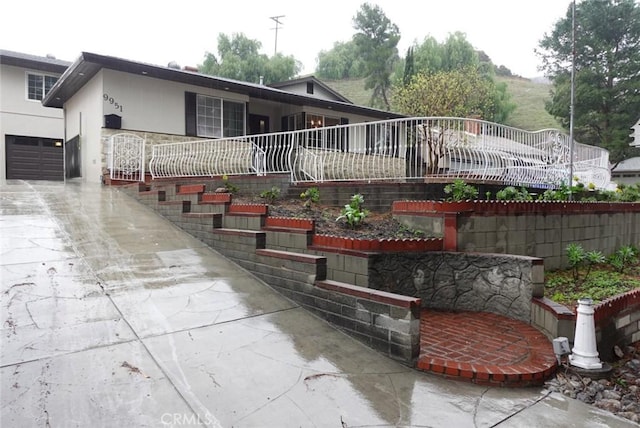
[(30, 158)]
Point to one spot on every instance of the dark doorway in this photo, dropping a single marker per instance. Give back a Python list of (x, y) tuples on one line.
[(258, 124), (72, 157)]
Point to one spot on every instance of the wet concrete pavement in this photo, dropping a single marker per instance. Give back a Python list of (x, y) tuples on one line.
[(113, 317)]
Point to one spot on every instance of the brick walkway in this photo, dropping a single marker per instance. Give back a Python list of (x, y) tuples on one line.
[(484, 348)]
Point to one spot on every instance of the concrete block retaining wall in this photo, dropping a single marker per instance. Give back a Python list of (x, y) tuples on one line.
[(386, 322), (379, 197), (500, 283), (537, 229)]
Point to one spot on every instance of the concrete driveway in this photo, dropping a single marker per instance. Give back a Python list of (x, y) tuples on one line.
[(113, 317)]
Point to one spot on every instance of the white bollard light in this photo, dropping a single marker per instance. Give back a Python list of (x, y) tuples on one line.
[(585, 351)]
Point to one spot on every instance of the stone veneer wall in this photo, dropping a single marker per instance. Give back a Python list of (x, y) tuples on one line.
[(496, 283)]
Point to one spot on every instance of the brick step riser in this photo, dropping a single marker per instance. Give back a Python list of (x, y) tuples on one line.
[(172, 213), (288, 241), (169, 190), (202, 227), (193, 199), (208, 208), (243, 222)]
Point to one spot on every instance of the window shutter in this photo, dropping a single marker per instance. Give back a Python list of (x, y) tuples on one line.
[(191, 126)]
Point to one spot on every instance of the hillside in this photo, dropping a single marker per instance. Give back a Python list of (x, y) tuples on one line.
[(353, 89), (528, 95)]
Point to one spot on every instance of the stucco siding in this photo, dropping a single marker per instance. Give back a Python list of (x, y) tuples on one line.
[(151, 105), (84, 117), (318, 91), (21, 116)]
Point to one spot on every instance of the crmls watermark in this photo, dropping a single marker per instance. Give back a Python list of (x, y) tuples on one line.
[(189, 419)]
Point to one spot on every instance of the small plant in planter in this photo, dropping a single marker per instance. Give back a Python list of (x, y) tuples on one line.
[(231, 188), (310, 196), (353, 212), (512, 194), (617, 275), (560, 194), (578, 258), (623, 258), (270, 195), (460, 191)]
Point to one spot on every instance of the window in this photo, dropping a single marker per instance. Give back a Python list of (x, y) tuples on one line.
[(309, 87), (218, 118), (39, 85), (233, 119)]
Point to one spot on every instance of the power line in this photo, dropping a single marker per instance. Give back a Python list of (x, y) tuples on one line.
[(276, 19)]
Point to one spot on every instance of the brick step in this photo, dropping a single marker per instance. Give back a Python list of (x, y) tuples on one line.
[(190, 189), (212, 208), (289, 255), (216, 198), (287, 266), (370, 294), (295, 225), (484, 348), (249, 209)]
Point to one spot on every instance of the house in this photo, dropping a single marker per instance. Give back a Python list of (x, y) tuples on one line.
[(628, 171), (103, 95), (31, 135), (311, 86), (635, 134)]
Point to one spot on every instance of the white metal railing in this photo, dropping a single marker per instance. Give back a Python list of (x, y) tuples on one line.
[(396, 149), (126, 158)]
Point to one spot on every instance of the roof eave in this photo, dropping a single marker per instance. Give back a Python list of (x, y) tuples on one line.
[(88, 64)]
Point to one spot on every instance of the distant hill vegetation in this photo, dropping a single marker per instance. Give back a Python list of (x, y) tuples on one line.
[(529, 95)]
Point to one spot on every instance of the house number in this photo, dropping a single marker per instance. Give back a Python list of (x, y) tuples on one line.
[(112, 101)]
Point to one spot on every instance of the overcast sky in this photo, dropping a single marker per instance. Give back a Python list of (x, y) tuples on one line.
[(158, 32)]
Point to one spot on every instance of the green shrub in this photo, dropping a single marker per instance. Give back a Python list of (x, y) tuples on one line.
[(310, 196), (579, 258), (562, 193), (460, 191), (270, 195), (353, 212), (228, 185), (512, 194), (623, 258)]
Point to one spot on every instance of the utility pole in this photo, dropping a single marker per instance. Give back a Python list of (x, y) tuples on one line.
[(276, 19), (571, 103)]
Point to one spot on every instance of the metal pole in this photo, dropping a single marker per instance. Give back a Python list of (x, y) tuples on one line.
[(571, 103)]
